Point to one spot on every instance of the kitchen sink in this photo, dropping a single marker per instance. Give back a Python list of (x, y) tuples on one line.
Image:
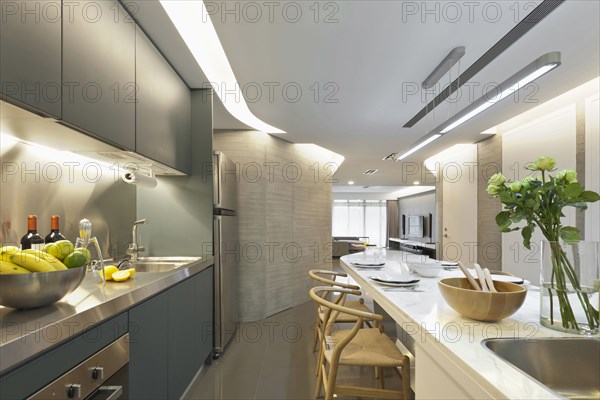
[(158, 264), (568, 366)]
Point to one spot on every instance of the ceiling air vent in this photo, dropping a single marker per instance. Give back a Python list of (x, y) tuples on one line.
[(370, 171), (366, 187), (391, 156)]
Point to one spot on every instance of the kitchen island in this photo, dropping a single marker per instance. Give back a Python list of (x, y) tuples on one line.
[(450, 361), (38, 345)]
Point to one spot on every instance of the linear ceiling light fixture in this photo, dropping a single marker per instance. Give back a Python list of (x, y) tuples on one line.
[(539, 67), (445, 66), (419, 146), (531, 72), (201, 38)]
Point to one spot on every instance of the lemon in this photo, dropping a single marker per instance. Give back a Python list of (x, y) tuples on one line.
[(75, 260), (131, 271), (109, 270), (120, 276)]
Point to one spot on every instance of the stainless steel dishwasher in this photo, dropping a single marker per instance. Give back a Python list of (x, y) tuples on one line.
[(104, 375)]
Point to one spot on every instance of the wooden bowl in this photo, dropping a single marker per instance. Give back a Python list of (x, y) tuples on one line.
[(482, 306)]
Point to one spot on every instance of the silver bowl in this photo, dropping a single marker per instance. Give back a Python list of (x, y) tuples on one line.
[(38, 289)]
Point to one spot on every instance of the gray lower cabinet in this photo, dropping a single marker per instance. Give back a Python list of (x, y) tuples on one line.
[(169, 340), (99, 70), (36, 374), (148, 341), (163, 111), (180, 359), (203, 316), (30, 54)]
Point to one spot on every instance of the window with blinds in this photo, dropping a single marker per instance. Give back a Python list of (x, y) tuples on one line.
[(362, 218)]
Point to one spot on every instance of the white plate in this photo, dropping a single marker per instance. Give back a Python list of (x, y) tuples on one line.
[(510, 279), (367, 264), (395, 284), (395, 279)]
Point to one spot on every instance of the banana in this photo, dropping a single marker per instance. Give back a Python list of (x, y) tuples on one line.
[(55, 262), (31, 262), (8, 268), (7, 251)]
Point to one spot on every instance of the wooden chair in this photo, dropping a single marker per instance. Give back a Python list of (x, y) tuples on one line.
[(359, 346), (328, 278)]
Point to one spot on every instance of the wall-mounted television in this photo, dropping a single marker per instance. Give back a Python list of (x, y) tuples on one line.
[(414, 226)]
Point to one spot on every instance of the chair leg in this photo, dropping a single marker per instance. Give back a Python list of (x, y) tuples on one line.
[(319, 383), (320, 359), (329, 389), (316, 336)]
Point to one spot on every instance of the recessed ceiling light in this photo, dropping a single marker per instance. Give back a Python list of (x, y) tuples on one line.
[(201, 38), (391, 156), (350, 182), (416, 183), (370, 171)]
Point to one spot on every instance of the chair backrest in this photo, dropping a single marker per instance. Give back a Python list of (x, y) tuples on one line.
[(328, 277), (333, 308), (320, 294)]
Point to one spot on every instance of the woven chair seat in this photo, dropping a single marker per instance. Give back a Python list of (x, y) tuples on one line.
[(369, 347)]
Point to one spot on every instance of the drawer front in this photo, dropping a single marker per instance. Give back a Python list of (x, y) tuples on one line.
[(28, 379)]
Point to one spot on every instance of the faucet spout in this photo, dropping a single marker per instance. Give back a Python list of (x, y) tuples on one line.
[(134, 248)]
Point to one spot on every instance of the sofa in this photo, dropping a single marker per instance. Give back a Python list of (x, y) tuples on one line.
[(343, 245)]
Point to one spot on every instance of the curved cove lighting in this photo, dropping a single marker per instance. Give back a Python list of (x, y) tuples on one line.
[(191, 20)]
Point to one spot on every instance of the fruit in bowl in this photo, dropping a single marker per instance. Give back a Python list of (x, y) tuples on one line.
[(34, 278)]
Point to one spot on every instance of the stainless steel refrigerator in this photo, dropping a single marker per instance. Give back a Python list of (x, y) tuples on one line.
[(226, 251)]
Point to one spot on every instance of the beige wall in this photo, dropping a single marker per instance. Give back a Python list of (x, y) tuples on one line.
[(284, 214), (494, 152)]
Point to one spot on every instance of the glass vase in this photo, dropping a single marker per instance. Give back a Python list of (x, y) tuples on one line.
[(569, 284)]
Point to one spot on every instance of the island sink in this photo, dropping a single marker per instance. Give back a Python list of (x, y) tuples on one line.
[(567, 366)]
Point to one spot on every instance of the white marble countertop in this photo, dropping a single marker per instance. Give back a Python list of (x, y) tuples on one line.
[(435, 325)]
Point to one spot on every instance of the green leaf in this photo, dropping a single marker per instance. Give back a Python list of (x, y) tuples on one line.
[(569, 234), (589, 197), (505, 196), (526, 232), (503, 219), (573, 189)]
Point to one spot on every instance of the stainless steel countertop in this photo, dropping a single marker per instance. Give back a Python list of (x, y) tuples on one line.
[(26, 333)]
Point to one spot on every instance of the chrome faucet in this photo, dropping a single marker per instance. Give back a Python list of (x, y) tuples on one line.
[(134, 248)]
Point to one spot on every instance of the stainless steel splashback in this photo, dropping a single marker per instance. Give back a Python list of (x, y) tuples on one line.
[(44, 182)]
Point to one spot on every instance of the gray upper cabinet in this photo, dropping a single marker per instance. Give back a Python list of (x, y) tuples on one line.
[(163, 111), (30, 54), (99, 70)]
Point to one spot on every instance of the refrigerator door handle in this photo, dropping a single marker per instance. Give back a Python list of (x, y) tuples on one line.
[(217, 178)]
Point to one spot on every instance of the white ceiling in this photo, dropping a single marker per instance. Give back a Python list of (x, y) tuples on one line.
[(369, 55)]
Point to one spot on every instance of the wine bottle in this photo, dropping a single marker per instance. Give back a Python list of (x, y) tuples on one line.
[(32, 239), (54, 235)]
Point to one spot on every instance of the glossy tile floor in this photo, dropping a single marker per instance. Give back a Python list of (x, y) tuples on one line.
[(273, 359)]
